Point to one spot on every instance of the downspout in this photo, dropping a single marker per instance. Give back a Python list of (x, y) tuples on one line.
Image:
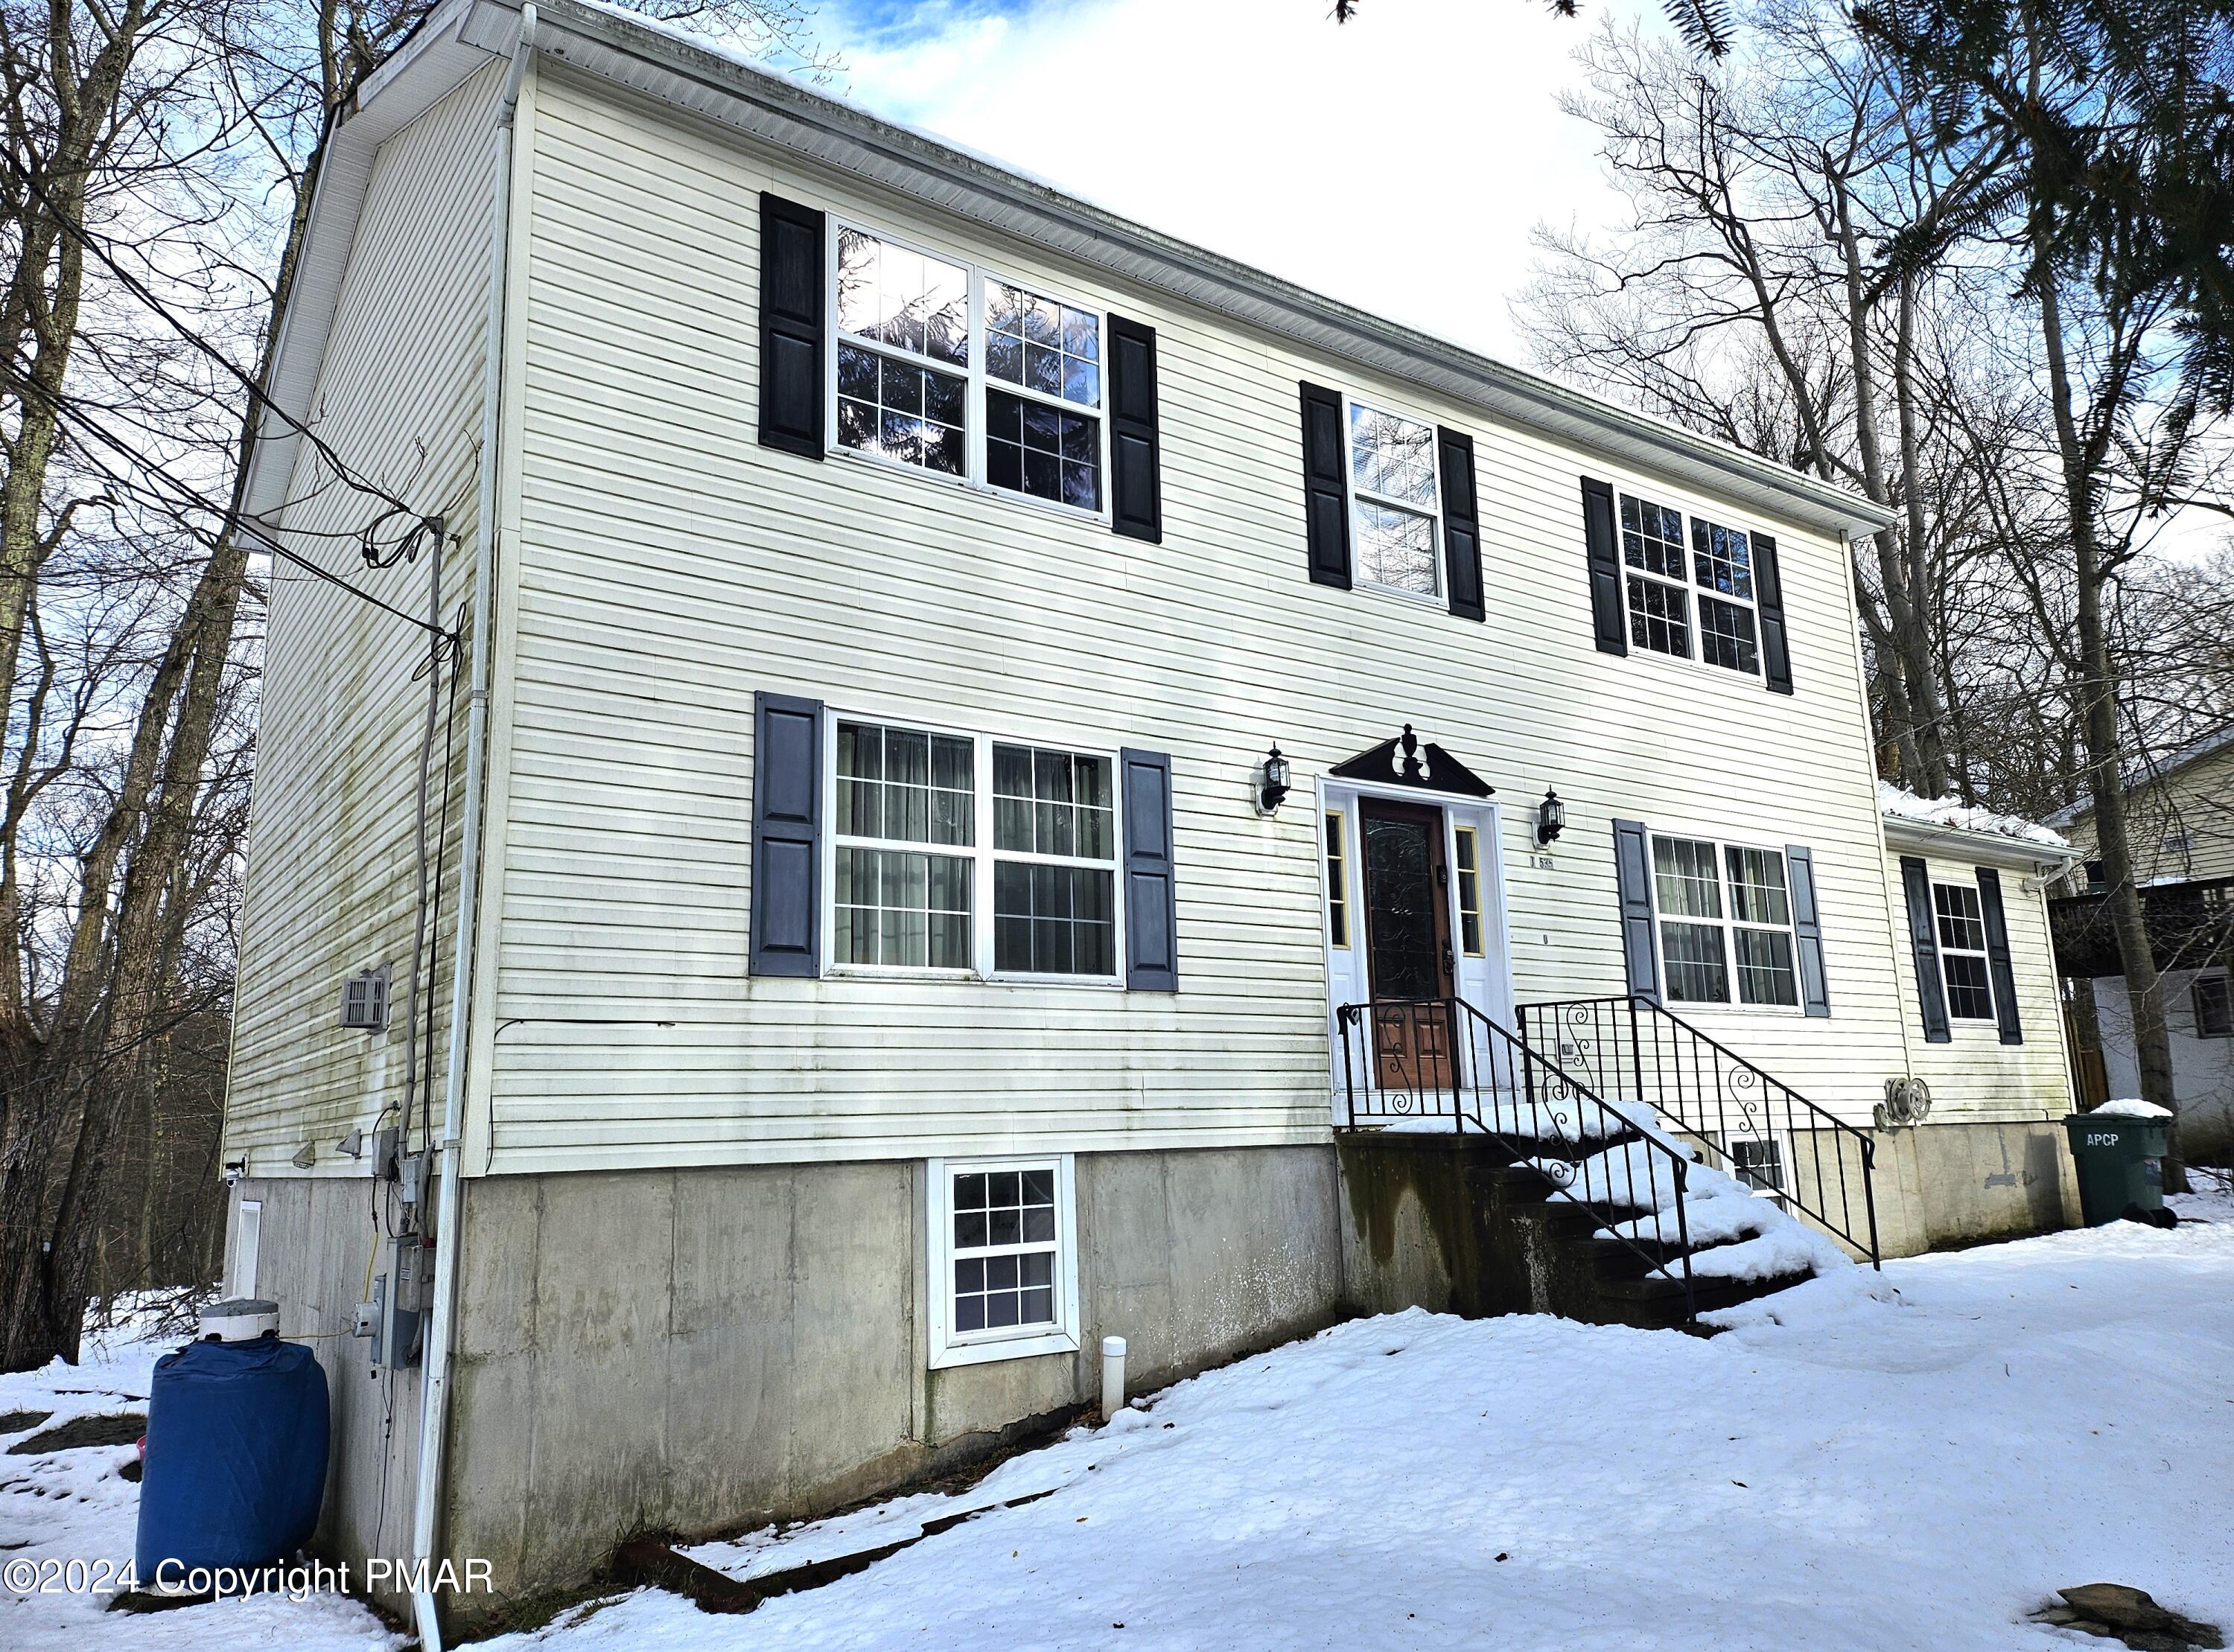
[(435, 1383)]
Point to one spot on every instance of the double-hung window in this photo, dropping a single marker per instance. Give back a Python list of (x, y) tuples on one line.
[(950, 369), (1661, 580), (1004, 1269), (1055, 872), (1726, 931), (1395, 500), (935, 828), (1962, 922)]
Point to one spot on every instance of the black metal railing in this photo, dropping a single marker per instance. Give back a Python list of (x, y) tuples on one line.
[(1428, 1060), (1755, 1126)]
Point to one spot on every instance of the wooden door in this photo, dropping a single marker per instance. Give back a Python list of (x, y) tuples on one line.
[(1407, 936)]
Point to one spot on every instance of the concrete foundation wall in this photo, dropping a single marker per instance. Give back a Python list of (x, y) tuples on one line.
[(1942, 1185), (692, 1351)]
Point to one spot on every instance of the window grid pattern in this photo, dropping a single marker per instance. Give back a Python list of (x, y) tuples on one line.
[(893, 400), (1337, 879), (1054, 919), (1005, 1245), (1726, 931), (912, 382), (1661, 579), (1759, 1162), (903, 908), (1469, 871), (1043, 858), (1395, 500), (1721, 562), (1761, 931), (1960, 920), (1042, 344)]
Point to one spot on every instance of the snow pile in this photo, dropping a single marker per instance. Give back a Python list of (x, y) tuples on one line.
[(1748, 1235), (1963, 817), (2131, 1107), (1860, 1478), (76, 1505)]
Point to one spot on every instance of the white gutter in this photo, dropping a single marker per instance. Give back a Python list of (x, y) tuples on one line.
[(1961, 843), (434, 1380)]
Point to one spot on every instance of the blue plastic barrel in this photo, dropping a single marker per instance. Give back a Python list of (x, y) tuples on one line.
[(236, 1464)]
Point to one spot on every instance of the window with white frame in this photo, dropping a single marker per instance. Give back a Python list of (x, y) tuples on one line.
[(1962, 963), (1055, 841), (950, 370), (1661, 580), (921, 847), (1758, 1161), (1395, 500), (1726, 930), (1003, 1259)]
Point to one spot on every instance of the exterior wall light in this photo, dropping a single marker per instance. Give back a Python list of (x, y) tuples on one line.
[(1550, 817), (1271, 782)]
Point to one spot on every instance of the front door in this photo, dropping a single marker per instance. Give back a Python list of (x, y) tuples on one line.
[(1407, 937)]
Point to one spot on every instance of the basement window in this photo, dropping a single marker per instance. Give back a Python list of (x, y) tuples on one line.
[(1003, 1271), (1759, 1162)]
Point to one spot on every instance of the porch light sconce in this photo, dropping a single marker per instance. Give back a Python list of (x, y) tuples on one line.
[(1550, 817), (1271, 782)]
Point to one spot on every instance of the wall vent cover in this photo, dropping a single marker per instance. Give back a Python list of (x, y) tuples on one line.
[(364, 1000)]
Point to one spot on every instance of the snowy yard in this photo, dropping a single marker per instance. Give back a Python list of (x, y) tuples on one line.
[(1914, 1473)]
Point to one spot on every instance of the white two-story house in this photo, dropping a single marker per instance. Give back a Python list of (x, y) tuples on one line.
[(864, 946)]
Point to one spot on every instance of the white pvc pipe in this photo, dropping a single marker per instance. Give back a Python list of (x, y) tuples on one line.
[(1113, 1376), (435, 1377)]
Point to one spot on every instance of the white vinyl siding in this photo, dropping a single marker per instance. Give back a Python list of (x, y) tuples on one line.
[(329, 883), (1975, 1074), (668, 567)]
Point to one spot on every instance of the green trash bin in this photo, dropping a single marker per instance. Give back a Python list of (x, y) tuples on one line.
[(2120, 1163)]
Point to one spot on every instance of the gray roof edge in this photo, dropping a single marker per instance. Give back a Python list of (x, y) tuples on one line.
[(2149, 773), (1991, 846)]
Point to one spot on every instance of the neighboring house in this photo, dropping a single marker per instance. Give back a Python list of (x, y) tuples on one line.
[(872, 950), (2180, 822)]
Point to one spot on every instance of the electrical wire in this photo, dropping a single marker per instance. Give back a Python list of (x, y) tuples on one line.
[(133, 285), (186, 495)]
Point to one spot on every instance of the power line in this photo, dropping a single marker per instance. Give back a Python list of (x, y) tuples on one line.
[(134, 285), (186, 494)]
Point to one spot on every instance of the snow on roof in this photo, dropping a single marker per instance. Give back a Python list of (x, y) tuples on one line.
[(1957, 816)]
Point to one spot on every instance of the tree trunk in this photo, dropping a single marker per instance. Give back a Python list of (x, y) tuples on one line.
[(2097, 696)]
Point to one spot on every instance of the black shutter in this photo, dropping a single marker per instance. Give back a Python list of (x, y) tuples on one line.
[(1151, 951), (1461, 524), (1916, 881), (1998, 959), (1808, 930), (791, 327), (1632, 865), (1326, 490), (1768, 592), (1136, 488), (1601, 534), (786, 935)]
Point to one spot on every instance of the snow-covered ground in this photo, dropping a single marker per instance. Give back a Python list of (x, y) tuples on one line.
[(1850, 1473)]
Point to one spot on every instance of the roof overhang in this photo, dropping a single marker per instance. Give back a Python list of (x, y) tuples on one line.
[(427, 68), (1952, 843), (674, 69)]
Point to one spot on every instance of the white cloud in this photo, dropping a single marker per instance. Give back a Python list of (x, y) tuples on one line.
[(1398, 162)]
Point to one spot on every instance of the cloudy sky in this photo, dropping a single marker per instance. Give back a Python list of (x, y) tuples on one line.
[(1399, 162)]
